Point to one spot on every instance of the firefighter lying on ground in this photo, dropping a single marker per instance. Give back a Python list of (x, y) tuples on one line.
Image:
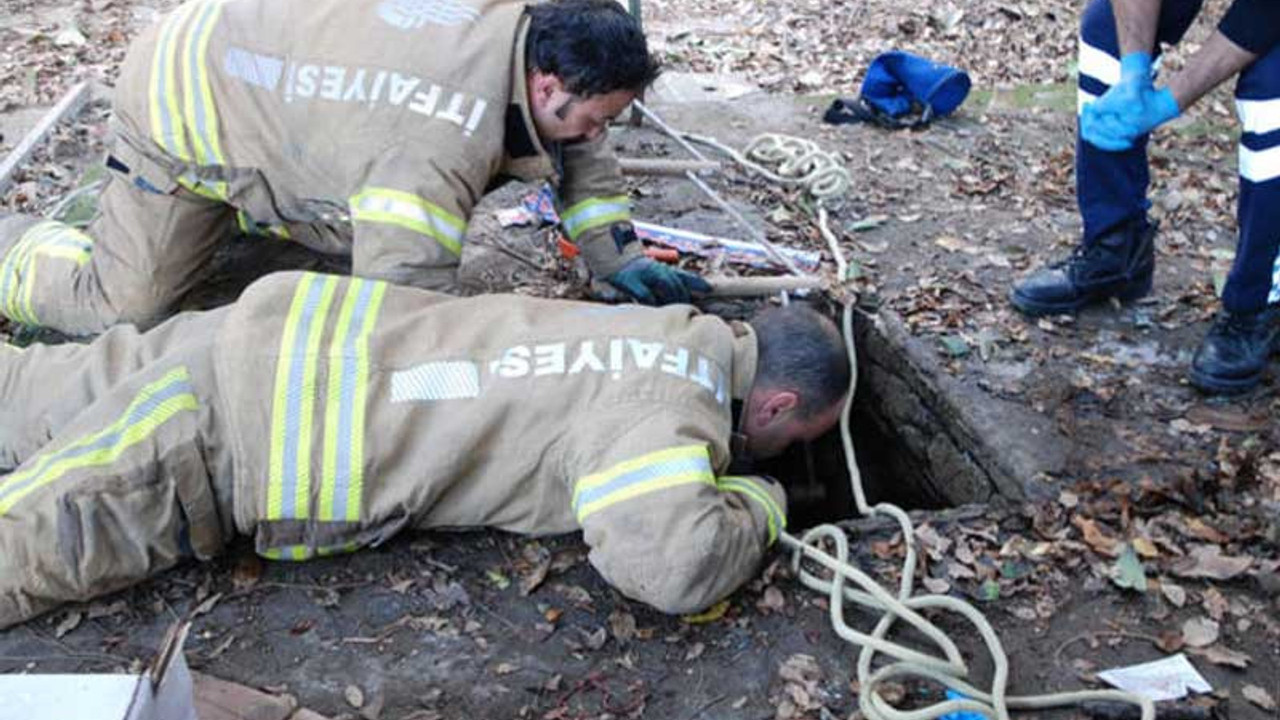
[(320, 414), (367, 127)]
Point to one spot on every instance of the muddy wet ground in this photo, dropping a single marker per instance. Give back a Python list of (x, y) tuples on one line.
[(961, 401)]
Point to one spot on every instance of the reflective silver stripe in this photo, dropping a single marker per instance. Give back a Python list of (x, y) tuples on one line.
[(1098, 64), (1259, 165), (593, 213), (262, 71), (436, 381), (396, 207)]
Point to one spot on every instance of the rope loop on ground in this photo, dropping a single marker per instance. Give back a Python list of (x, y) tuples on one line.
[(843, 582), (799, 162)]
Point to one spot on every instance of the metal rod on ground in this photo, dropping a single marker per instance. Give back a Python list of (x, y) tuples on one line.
[(757, 286), (756, 234), (69, 105)]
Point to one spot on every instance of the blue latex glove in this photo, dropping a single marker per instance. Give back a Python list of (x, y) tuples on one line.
[(961, 714), (654, 283), (1132, 107)]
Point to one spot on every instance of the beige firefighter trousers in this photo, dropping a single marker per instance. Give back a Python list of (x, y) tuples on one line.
[(118, 471), (139, 255)]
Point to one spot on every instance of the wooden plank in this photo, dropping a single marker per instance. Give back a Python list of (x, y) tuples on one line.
[(218, 699), (664, 166), (758, 286), (70, 104)]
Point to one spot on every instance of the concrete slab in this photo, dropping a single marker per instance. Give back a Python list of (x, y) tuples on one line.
[(679, 87)]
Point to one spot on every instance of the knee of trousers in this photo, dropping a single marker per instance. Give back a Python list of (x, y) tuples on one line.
[(138, 302)]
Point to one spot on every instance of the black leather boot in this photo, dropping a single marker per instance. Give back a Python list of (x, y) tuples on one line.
[(1234, 353), (1119, 264)]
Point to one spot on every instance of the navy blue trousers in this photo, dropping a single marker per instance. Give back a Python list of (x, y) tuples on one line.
[(1111, 187)]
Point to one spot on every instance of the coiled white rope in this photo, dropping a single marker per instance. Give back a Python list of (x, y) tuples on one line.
[(799, 162), (848, 583)]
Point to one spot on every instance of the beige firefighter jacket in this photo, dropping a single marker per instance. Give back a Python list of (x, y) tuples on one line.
[(396, 115), (356, 409)]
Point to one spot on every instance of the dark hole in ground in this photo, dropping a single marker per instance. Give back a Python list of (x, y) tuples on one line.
[(817, 476)]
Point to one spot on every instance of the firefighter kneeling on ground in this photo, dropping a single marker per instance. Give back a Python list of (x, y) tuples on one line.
[(370, 128), (320, 414)]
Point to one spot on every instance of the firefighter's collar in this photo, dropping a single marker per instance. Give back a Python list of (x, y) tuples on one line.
[(745, 358), (526, 157)]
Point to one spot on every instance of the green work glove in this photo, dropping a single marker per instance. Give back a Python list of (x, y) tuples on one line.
[(654, 283)]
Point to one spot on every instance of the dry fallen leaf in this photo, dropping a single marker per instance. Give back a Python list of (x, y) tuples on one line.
[(354, 696), (937, 586), (1096, 538), (1199, 632), (1145, 548), (505, 668), (1175, 594), (1215, 603), (771, 601), (596, 640), (1169, 641), (1219, 655), (695, 651), (1259, 697), (247, 571), (623, 625), (69, 623), (711, 614), (1207, 561)]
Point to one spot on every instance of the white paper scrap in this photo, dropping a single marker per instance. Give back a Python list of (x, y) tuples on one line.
[(1167, 679)]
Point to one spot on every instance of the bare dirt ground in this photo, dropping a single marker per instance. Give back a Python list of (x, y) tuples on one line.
[(939, 222)]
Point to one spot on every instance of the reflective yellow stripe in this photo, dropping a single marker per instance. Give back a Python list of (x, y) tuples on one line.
[(155, 404), (356, 488), (201, 115), (302, 552), (275, 472), (642, 475), (593, 213), (293, 407), (47, 239), (14, 271), (409, 211), (167, 129), (343, 457), (211, 189), (308, 394), (746, 486)]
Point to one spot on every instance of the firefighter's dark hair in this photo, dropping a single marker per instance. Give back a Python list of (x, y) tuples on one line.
[(801, 350), (594, 46)]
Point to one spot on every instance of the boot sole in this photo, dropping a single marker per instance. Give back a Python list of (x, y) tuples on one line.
[(1223, 386), (1036, 308)]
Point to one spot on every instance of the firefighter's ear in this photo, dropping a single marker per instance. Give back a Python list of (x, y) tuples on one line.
[(543, 86)]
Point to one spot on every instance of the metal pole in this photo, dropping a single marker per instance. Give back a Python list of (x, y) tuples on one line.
[(756, 234)]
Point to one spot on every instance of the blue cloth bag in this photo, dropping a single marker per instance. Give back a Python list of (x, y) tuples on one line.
[(898, 84)]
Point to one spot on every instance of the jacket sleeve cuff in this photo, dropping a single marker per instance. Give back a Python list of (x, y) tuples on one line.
[(601, 251), (765, 499), (1253, 25)]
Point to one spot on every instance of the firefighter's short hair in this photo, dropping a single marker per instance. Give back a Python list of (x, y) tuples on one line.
[(801, 350), (594, 46)]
